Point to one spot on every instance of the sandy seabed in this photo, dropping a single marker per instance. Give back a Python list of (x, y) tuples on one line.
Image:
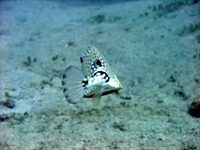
[(154, 47)]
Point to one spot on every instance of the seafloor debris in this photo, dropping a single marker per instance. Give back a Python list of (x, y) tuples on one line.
[(194, 109), (30, 61), (8, 103), (4, 117)]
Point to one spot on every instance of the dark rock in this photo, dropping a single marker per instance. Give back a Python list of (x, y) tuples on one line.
[(172, 79), (181, 94), (194, 109), (3, 117), (8, 103), (119, 126)]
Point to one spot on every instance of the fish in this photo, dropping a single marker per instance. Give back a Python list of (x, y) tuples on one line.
[(94, 80)]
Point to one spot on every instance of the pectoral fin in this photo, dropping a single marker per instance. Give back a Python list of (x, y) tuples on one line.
[(97, 97)]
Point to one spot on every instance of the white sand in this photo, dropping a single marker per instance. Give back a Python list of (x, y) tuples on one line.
[(158, 66)]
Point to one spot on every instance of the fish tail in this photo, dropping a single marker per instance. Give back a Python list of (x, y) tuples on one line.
[(72, 83)]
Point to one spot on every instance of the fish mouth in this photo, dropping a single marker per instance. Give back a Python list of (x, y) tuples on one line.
[(112, 86), (112, 91), (115, 84)]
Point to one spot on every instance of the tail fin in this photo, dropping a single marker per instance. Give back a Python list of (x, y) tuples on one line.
[(72, 84)]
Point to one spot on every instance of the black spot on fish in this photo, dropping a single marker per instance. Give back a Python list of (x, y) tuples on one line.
[(84, 83), (81, 59), (64, 89), (66, 96), (63, 82), (70, 101), (64, 76)]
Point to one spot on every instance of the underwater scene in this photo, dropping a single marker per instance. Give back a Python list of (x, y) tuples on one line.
[(100, 75)]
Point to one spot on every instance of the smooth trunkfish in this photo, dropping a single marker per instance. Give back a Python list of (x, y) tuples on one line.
[(94, 80)]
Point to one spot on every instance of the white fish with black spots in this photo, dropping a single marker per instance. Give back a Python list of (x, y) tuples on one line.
[(94, 80)]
